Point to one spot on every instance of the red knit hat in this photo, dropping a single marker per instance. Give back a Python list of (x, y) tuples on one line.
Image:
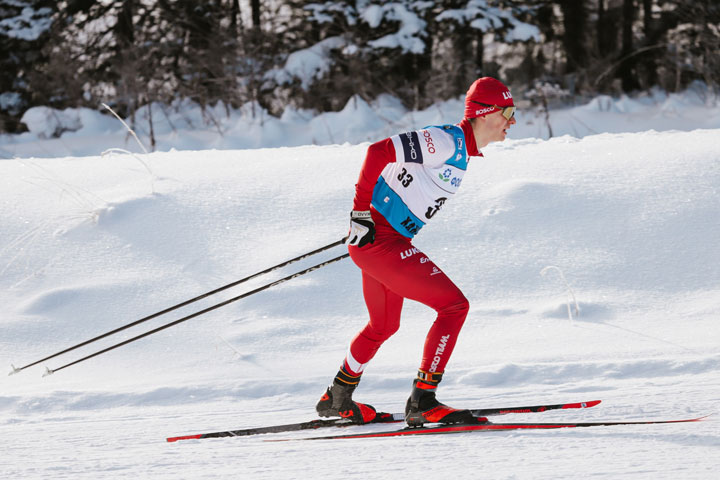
[(488, 91)]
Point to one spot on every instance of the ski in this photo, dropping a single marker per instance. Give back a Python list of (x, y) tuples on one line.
[(485, 412), (290, 427), (380, 418), (483, 427)]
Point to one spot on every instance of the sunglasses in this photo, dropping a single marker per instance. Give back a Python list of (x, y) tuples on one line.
[(507, 112)]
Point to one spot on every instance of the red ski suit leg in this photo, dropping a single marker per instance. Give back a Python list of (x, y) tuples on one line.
[(392, 269)]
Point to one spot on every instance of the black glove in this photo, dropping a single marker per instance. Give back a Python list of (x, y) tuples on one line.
[(362, 228)]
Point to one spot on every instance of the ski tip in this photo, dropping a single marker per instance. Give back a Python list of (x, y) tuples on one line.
[(700, 419), (582, 404), (185, 437)]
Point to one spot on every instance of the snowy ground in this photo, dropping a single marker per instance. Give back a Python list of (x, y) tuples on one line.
[(89, 243)]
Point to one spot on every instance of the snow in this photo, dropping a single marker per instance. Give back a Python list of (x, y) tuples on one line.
[(307, 64), (29, 24), (45, 122), (411, 28), (11, 102), (479, 15), (522, 32), (626, 209)]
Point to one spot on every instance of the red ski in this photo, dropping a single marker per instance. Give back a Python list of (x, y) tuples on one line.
[(381, 418), (485, 427)]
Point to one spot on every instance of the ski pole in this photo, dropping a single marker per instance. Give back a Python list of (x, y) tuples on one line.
[(179, 305), (201, 312)]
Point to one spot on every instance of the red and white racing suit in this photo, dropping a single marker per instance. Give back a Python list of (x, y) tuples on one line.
[(404, 182)]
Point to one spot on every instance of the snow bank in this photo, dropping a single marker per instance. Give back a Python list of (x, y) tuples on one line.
[(185, 126)]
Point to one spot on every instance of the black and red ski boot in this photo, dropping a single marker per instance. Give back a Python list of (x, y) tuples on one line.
[(422, 406), (337, 401)]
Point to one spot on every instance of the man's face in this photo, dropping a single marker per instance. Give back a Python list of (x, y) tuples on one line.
[(491, 128), (497, 126)]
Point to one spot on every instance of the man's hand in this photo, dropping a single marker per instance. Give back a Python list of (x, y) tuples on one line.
[(362, 228)]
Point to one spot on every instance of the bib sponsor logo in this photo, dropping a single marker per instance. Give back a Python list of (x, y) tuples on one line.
[(431, 211), (429, 141), (410, 142), (410, 226), (446, 176), (411, 145)]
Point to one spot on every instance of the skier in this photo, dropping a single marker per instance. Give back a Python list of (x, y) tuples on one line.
[(404, 181)]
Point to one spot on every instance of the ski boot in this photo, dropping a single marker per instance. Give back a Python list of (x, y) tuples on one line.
[(337, 401), (422, 406)]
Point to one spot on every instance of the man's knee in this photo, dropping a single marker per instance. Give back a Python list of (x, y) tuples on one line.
[(458, 308), (380, 334)]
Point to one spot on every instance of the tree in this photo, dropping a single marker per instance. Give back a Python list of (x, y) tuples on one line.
[(574, 37), (318, 54), (420, 52), (475, 28), (24, 32), (626, 71), (693, 40), (255, 9)]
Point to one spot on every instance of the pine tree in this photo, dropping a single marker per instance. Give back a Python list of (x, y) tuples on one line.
[(24, 32)]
